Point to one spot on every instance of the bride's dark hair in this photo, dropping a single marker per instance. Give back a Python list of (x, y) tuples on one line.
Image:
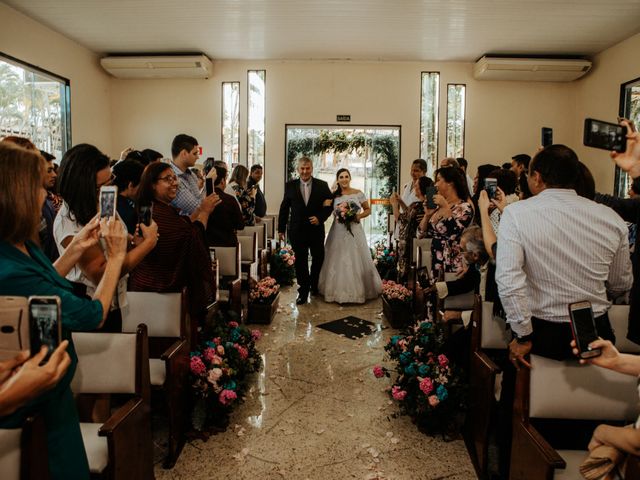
[(338, 191)]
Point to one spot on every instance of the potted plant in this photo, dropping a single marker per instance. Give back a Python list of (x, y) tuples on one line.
[(396, 304), (263, 300)]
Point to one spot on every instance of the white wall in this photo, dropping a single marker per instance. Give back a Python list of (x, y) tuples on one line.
[(503, 118), (32, 42), (598, 96)]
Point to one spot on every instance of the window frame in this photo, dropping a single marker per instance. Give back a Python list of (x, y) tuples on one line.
[(222, 110), (430, 168), (264, 142), (464, 120), (619, 177)]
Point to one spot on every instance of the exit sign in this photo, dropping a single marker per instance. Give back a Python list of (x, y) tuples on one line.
[(343, 118)]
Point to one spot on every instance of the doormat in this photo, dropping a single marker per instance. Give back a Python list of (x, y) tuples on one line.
[(351, 327)]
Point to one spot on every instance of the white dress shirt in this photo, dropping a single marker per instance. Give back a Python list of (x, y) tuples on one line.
[(555, 249)]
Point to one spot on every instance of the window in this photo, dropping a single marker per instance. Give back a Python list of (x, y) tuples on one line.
[(256, 117), (455, 120), (230, 122), (430, 92), (34, 104), (629, 108)]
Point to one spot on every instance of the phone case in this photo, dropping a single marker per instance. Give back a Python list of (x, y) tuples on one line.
[(14, 326)]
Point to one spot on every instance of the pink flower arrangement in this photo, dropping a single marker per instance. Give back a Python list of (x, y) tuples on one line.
[(443, 360), (256, 335), (220, 350), (378, 371), (242, 351), (426, 385), (197, 365), (233, 324), (433, 400), (214, 375), (209, 354), (398, 393), (264, 291), (393, 291), (227, 396)]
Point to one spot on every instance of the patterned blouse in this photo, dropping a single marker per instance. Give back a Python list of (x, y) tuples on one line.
[(247, 204), (446, 233)]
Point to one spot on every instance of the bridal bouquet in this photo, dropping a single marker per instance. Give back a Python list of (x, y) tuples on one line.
[(264, 291), (282, 265), (218, 370), (347, 213), (427, 387)]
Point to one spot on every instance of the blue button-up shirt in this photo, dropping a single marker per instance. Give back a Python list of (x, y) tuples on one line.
[(189, 196)]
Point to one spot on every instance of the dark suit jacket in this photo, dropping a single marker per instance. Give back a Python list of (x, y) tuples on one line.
[(293, 204), (223, 222), (261, 203)]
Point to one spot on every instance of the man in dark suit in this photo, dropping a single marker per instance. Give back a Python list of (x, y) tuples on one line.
[(226, 219), (305, 199)]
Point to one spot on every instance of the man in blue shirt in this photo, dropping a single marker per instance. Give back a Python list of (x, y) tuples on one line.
[(185, 153)]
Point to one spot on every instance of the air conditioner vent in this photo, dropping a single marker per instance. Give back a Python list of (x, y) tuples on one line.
[(530, 69), (166, 66)]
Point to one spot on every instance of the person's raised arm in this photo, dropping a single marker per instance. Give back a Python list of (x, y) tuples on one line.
[(366, 210), (629, 160), (488, 234)]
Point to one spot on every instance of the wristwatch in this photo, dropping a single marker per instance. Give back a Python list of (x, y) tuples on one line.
[(521, 339)]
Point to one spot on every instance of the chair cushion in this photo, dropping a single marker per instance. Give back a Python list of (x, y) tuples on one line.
[(96, 447), (227, 261), (157, 371), (10, 453), (573, 391), (493, 333), (574, 459), (159, 311)]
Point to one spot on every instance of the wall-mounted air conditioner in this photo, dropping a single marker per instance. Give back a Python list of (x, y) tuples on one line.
[(530, 69), (152, 66)]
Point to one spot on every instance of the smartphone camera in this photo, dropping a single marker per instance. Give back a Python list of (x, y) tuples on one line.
[(546, 136), (45, 324), (584, 329), (108, 196), (604, 135), (208, 185), (491, 187), (145, 214)]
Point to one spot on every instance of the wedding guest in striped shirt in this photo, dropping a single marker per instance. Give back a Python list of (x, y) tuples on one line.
[(185, 152), (554, 249)]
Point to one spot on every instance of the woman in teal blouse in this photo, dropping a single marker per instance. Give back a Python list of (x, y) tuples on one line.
[(25, 271)]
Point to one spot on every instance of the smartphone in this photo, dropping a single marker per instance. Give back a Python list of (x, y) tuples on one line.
[(45, 324), (208, 182), (604, 135), (145, 214), (108, 196), (491, 186), (14, 326), (431, 191), (546, 136), (583, 328)]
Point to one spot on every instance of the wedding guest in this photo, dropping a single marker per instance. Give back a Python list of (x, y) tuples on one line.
[(185, 153), (180, 258), (226, 219), (634, 188), (463, 165), (478, 181), (447, 221), (25, 271), (245, 195), (83, 171), (507, 185), (408, 218), (409, 195), (127, 175), (150, 156), (255, 178), (449, 162), (199, 176), (520, 164)]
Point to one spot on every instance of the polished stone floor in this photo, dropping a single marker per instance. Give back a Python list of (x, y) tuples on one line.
[(316, 411)]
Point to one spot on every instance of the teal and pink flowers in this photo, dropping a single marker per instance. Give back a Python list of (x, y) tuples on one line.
[(347, 213), (264, 291), (282, 265), (385, 260)]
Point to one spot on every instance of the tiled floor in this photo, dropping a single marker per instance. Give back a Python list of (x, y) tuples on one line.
[(317, 412)]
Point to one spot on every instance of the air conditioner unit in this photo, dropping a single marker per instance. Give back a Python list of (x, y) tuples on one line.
[(171, 66), (530, 69)]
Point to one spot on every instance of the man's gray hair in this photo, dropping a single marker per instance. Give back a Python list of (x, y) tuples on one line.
[(305, 159), (475, 242)]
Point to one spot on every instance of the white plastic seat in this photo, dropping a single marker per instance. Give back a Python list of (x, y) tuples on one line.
[(96, 447)]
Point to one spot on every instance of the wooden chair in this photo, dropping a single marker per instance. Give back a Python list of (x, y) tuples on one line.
[(228, 259), (170, 341), (420, 265), (249, 257), (271, 224), (563, 391), (23, 451), (263, 248), (120, 447)]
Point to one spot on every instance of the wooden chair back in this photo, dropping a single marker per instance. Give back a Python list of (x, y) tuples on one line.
[(261, 232), (228, 259), (248, 247)]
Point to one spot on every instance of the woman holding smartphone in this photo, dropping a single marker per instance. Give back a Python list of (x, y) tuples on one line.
[(245, 195), (26, 271)]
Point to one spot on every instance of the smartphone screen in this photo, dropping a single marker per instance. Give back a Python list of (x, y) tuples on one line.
[(431, 191), (604, 135), (584, 328), (209, 185), (146, 212), (108, 201), (546, 136), (44, 323), (491, 186)]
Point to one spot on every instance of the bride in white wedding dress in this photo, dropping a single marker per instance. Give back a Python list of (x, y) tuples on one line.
[(348, 274)]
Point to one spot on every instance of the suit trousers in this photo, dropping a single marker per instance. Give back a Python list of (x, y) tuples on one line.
[(304, 243)]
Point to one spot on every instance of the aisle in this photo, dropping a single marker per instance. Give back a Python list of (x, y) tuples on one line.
[(317, 412)]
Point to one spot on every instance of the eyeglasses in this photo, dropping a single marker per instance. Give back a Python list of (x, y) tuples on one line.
[(169, 178)]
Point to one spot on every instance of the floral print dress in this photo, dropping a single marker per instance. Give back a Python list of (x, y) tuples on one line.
[(446, 232), (247, 204)]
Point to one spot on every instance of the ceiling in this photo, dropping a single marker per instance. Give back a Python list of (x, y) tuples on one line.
[(449, 30)]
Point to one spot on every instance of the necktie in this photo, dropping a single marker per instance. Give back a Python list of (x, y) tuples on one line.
[(305, 189)]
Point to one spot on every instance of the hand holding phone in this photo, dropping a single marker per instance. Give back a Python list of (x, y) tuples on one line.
[(605, 135), (145, 214), (208, 182), (491, 186), (584, 329), (546, 135), (108, 195), (45, 324), (431, 192)]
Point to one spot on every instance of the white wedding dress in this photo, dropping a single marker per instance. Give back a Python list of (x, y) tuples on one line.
[(348, 274)]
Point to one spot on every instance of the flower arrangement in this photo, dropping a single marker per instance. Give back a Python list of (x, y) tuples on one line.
[(264, 291), (385, 260), (395, 293), (282, 265), (347, 213), (218, 369), (428, 387)]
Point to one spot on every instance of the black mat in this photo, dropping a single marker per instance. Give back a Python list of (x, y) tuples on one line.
[(351, 327)]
